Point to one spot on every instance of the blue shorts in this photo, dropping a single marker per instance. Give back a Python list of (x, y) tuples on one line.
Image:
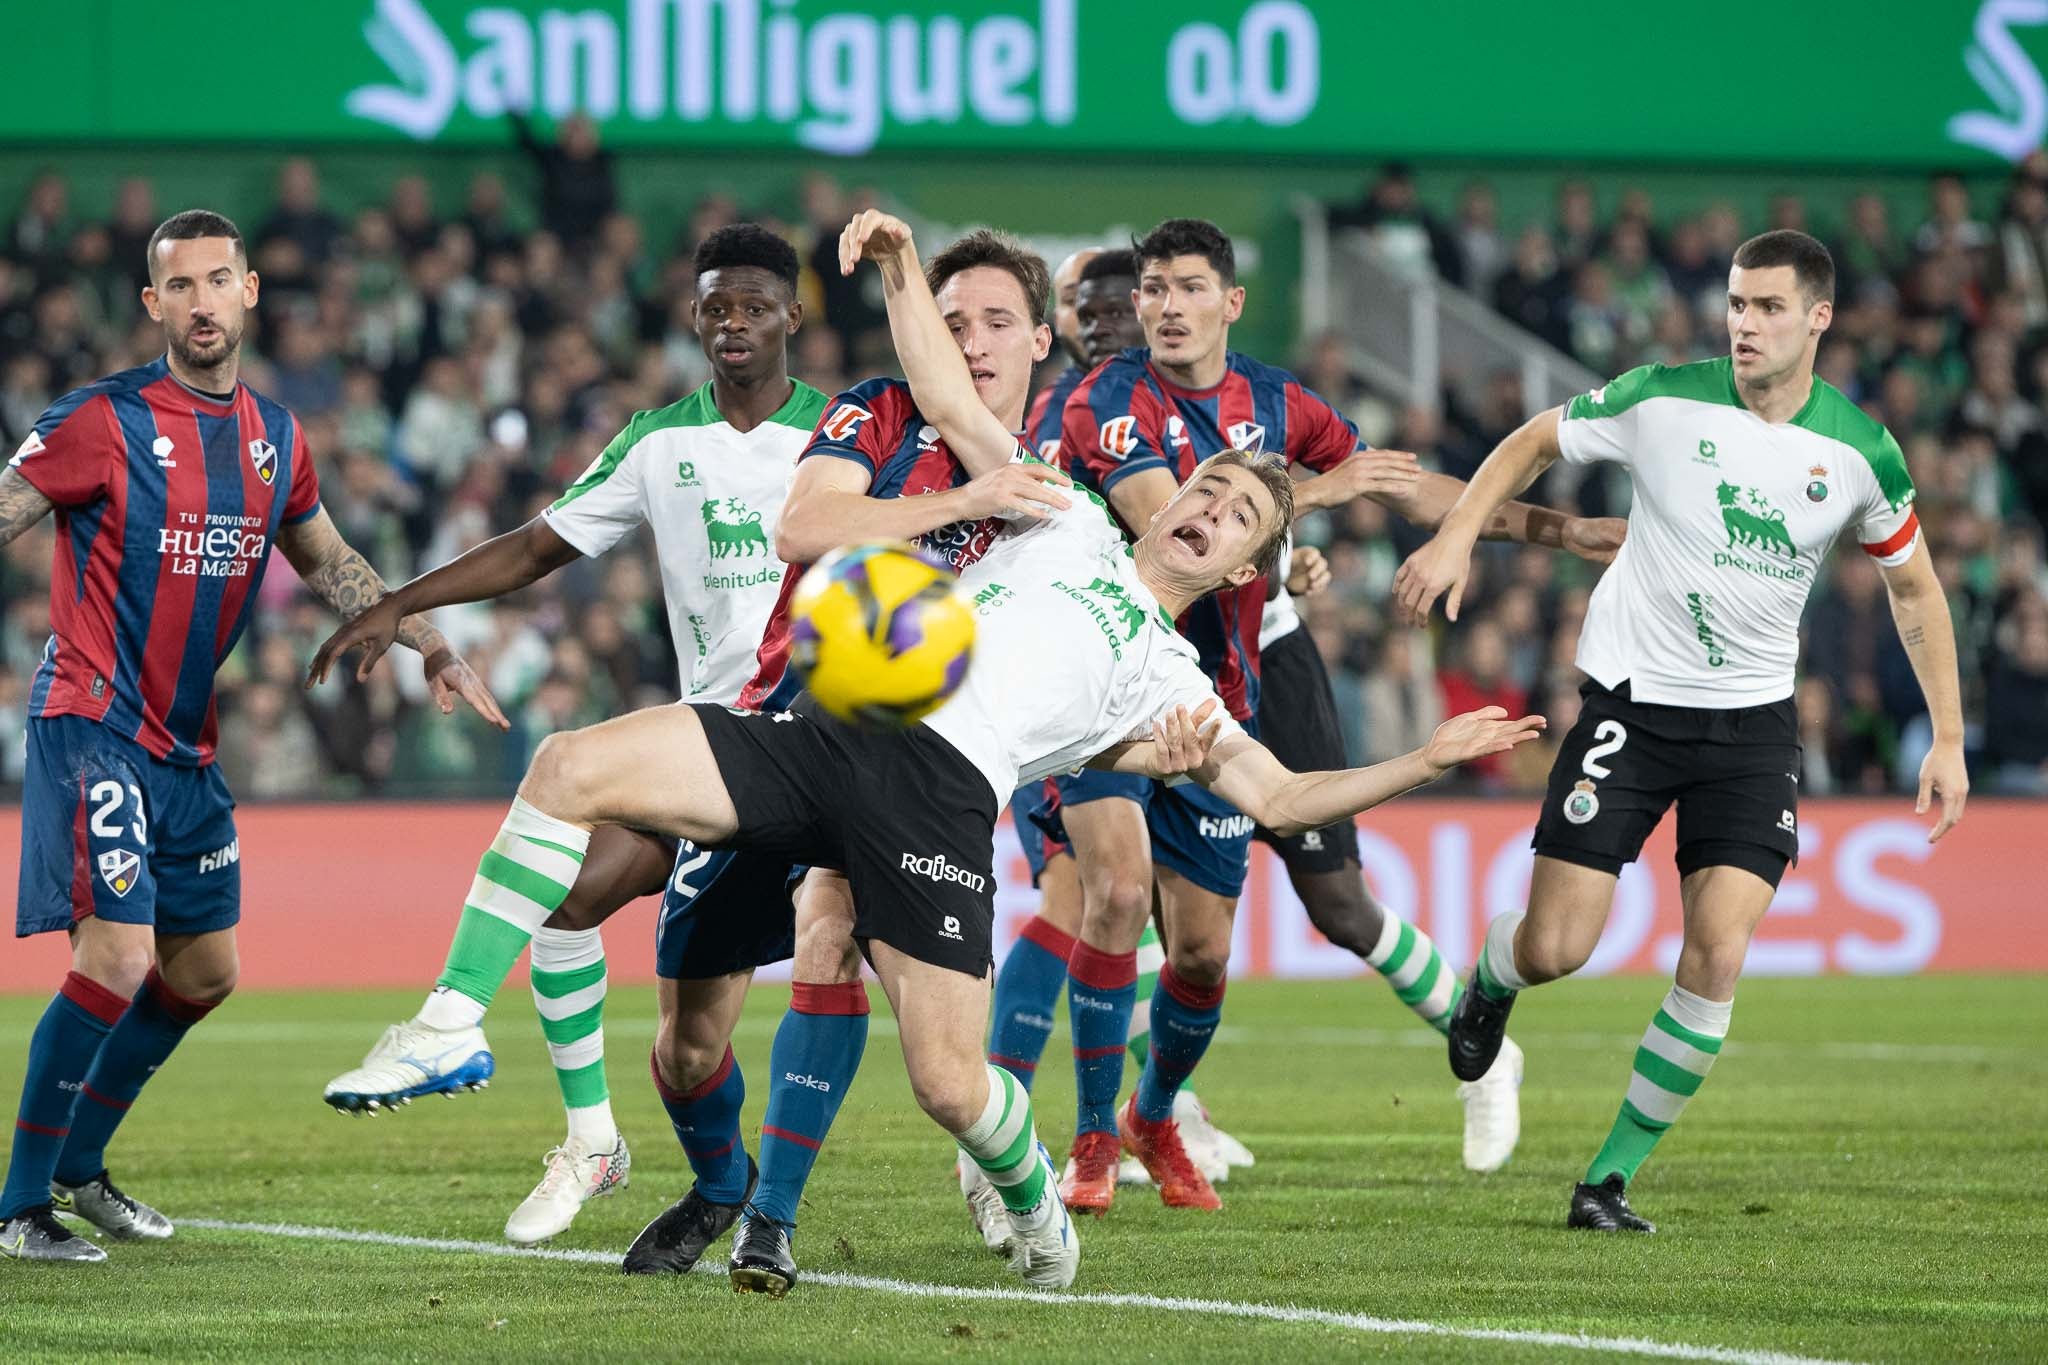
[(724, 911), (1033, 811), (108, 829), (1194, 832)]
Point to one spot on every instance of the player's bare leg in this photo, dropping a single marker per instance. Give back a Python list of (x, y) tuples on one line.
[(569, 985), (1723, 906), (578, 781), (1034, 970), (1568, 906), (1113, 855), (940, 1012), (1187, 1005)]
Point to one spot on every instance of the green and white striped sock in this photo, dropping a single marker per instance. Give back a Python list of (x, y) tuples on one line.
[(1151, 957), (523, 876), (1676, 1053), (568, 991), (1408, 959), (1005, 1145)]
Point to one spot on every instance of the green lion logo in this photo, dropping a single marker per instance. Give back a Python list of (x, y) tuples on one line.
[(1762, 529), (1119, 600)]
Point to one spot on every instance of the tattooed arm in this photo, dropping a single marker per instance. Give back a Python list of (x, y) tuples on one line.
[(21, 506), (339, 576), (1920, 610)]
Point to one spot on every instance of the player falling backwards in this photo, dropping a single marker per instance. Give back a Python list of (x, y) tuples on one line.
[(1132, 429), (708, 474), (802, 786), (1746, 470), (725, 913), (171, 483)]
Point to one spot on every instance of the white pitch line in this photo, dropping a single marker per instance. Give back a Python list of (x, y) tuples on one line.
[(1260, 1312)]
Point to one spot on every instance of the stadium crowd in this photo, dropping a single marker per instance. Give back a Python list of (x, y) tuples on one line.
[(456, 366)]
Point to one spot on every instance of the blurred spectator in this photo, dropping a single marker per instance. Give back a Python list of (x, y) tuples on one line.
[(1482, 252), (128, 232), (39, 233), (1949, 225), (298, 217), (1532, 291), (1406, 233), (1481, 679), (577, 188), (412, 214), (2016, 701)]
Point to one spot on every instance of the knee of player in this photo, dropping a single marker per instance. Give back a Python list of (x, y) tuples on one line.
[(119, 967), (952, 1095), (1201, 962), (561, 770), (1342, 910), (1123, 895), (1712, 966), (685, 1062)]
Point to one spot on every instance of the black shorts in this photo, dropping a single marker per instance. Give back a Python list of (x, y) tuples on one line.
[(908, 820), (1298, 722), (1732, 772)]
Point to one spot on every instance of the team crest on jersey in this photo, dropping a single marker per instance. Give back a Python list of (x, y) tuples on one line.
[(263, 457), (1817, 491), (1582, 803), (843, 422), (1120, 436), (118, 867), (1249, 437), (30, 445)]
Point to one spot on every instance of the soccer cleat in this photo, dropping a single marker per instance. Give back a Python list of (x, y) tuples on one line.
[(36, 1235), (985, 1203), (676, 1241), (1158, 1145), (1493, 1111), (99, 1202), (575, 1176), (1089, 1182), (761, 1261), (1604, 1208), (1212, 1150), (1044, 1247), (412, 1060), (1479, 1025)]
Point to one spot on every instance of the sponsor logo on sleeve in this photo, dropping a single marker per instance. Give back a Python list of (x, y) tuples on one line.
[(32, 444), (1119, 436), (843, 421)]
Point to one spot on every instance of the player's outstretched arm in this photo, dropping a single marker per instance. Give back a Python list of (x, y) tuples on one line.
[(1439, 568), (1244, 772), (828, 505), (500, 565), (21, 506), (1180, 744), (1920, 611), (344, 580)]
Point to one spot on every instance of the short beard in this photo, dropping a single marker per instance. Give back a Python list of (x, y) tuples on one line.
[(220, 354)]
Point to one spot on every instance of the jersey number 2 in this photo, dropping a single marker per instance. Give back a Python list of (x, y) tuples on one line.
[(107, 809), (1612, 734)]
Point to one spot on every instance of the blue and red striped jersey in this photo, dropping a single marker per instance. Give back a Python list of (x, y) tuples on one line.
[(167, 505), (877, 426), (1048, 411), (1126, 417)]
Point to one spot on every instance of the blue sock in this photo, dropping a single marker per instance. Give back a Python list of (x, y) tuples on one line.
[(60, 1053), (142, 1040), (707, 1122), (1184, 1019), (1102, 988), (819, 1042), (1026, 988)]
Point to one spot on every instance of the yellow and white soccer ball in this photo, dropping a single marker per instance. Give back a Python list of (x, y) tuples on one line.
[(880, 634)]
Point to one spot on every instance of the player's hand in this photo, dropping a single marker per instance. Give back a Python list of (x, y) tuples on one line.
[(1307, 571), (1181, 742), (448, 677), (1378, 474), (1943, 777), (373, 631), (1018, 491), (1476, 734), (872, 235), (1438, 569), (1597, 539)]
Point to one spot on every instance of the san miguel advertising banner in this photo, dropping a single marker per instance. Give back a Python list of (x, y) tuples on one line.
[(366, 895), (1922, 83)]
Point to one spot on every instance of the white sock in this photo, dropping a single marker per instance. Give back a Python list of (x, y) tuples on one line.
[(1498, 957), (448, 1008)]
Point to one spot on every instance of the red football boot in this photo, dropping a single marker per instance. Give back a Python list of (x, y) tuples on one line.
[(1089, 1182), (1158, 1146)]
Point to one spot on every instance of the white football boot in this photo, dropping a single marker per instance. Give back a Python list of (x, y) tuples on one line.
[(1493, 1111), (412, 1060), (575, 1175), (985, 1203), (1044, 1247)]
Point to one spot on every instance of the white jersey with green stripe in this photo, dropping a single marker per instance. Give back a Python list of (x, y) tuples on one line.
[(1731, 520), (1072, 653), (713, 496)]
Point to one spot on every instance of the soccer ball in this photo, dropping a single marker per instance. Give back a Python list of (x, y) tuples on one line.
[(879, 633)]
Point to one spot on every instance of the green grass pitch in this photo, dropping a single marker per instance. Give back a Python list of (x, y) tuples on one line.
[(1860, 1178)]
